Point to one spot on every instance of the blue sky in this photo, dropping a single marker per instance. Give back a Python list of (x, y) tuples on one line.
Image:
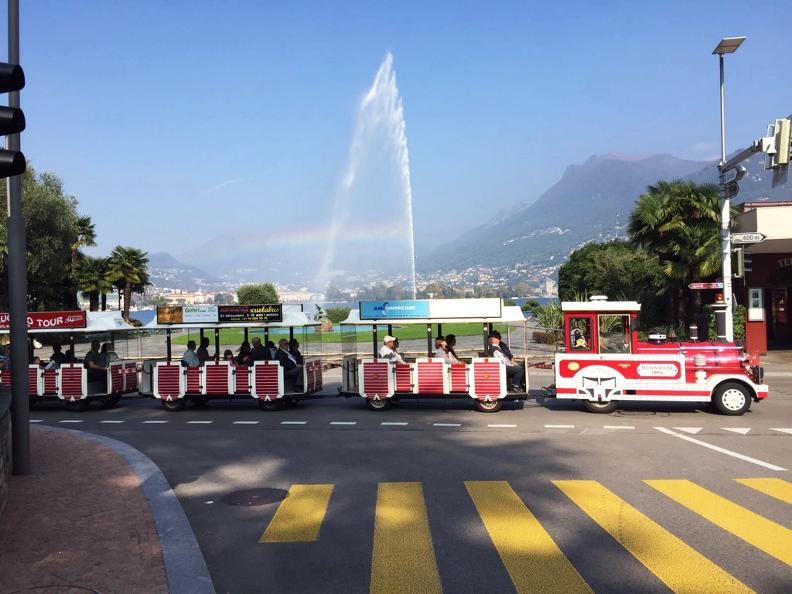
[(176, 122)]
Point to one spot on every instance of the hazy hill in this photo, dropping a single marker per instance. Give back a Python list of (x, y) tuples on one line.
[(591, 201), (167, 271)]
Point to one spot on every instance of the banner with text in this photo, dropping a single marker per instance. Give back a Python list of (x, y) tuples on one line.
[(394, 310), (49, 320), (272, 312)]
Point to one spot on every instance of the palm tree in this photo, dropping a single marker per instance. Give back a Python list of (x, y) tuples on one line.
[(129, 272), (92, 280), (86, 237), (680, 222)]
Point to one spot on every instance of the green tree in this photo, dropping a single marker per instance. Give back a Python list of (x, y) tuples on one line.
[(51, 226), (92, 277), (223, 299), (129, 271), (337, 314), (679, 221), (616, 269), (530, 305), (255, 294), (86, 237)]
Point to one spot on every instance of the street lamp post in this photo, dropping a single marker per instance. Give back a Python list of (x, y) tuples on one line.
[(727, 45)]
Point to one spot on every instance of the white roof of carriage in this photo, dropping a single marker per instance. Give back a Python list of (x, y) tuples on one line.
[(509, 314), (96, 323), (600, 305)]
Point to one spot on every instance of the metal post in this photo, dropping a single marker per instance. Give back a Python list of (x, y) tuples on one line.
[(374, 340), (439, 330), (168, 344), (17, 284), (246, 334), (725, 221), (428, 340), (291, 334), (217, 344)]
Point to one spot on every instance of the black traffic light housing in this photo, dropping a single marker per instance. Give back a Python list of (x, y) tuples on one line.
[(12, 120)]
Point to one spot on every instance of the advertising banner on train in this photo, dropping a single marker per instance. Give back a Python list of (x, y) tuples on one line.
[(187, 314), (48, 320), (271, 312), (394, 310)]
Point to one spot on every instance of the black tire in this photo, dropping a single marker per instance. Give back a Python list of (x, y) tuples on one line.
[(601, 408), (731, 399), (173, 405), (378, 405), (270, 405), (78, 405), (489, 406)]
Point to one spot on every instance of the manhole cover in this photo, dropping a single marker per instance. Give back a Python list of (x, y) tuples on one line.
[(250, 497)]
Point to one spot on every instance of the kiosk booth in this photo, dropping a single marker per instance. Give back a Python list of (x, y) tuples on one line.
[(382, 382), (174, 384), (69, 381)]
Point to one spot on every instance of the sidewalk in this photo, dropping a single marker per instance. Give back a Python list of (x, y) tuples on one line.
[(80, 522)]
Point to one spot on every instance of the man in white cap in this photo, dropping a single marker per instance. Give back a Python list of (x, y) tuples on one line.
[(388, 350)]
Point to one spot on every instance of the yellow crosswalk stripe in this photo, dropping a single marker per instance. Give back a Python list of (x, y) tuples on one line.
[(532, 558), (299, 517), (679, 566), (774, 539), (775, 487), (403, 558)]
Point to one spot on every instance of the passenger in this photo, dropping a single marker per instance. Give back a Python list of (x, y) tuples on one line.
[(514, 372), (36, 361), (441, 350), (294, 349), (104, 355), (69, 356), (272, 350), (203, 351), (190, 358), (97, 373), (292, 371), (258, 352), (388, 350), (243, 353), (57, 358), (450, 344), (228, 355)]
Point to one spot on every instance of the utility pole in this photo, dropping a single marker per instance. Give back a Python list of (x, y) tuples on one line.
[(17, 281)]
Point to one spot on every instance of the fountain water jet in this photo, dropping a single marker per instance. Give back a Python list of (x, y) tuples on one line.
[(372, 223)]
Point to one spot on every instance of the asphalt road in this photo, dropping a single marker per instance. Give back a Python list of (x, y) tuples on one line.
[(433, 496)]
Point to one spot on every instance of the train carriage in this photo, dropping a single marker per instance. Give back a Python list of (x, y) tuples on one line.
[(604, 363), (481, 378), (264, 382)]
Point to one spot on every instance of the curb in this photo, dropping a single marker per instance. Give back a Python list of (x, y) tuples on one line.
[(184, 563)]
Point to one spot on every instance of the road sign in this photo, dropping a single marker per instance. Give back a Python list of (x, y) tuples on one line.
[(733, 174), (744, 238), (731, 189), (700, 286)]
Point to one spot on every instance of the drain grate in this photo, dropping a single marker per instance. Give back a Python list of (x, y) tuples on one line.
[(251, 497)]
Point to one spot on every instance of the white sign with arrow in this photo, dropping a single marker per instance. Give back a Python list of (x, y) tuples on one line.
[(746, 238)]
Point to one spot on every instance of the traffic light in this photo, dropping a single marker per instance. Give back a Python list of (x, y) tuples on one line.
[(12, 120), (781, 131)]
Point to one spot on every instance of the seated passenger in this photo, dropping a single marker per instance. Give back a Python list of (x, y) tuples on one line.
[(450, 344), (228, 355), (57, 357), (294, 349), (292, 371), (388, 350), (69, 356), (190, 358), (243, 353), (441, 350), (97, 372), (203, 351), (515, 373), (258, 352), (578, 340), (270, 346)]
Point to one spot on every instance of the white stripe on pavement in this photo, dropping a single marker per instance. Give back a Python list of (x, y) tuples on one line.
[(618, 426), (559, 426), (245, 422), (447, 424), (343, 422), (721, 450), (393, 424), (781, 429), (691, 430), (36, 420), (499, 426), (70, 421), (199, 422), (112, 422), (740, 430), (294, 422), (154, 422)]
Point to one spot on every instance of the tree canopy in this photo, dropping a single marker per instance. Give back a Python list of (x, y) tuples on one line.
[(254, 294)]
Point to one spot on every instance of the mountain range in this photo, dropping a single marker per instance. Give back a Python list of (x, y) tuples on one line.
[(591, 202)]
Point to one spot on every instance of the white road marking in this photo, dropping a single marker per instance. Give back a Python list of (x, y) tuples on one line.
[(447, 424), (559, 426), (154, 422), (36, 420), (246, 422), (721, 450), (393, 424), (112, 422), (294, 422), (498, 426), (343, 422), (70, 421), (618, 426), (740, 430), (781, 429), (199, 422), (691, 430)]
